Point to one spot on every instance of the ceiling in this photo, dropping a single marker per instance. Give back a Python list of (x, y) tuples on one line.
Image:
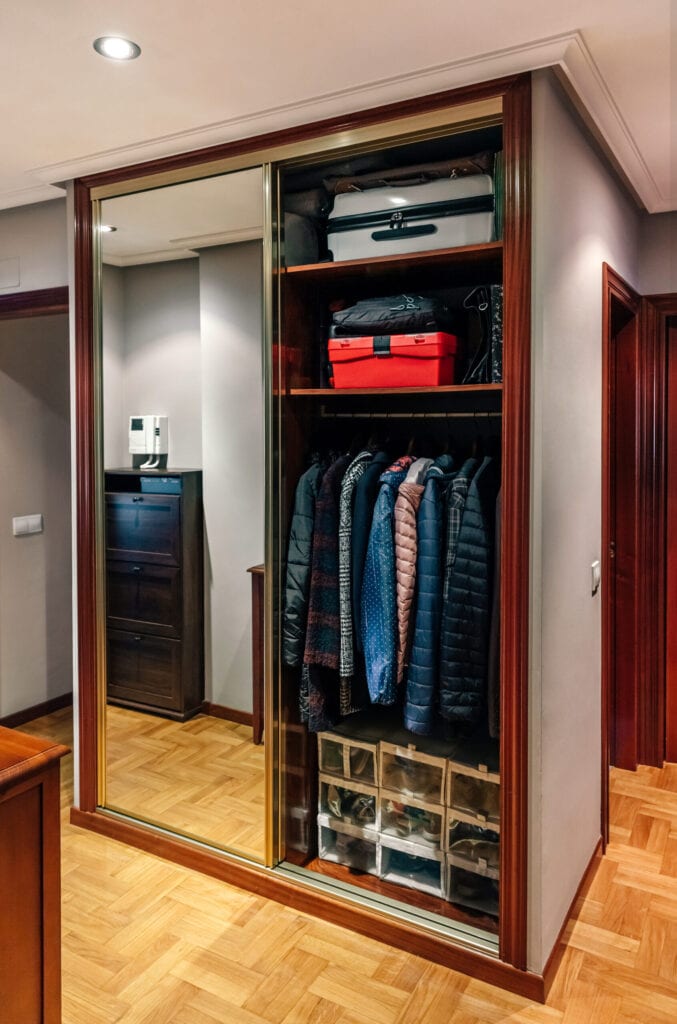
[(174, 222), (212, 71)]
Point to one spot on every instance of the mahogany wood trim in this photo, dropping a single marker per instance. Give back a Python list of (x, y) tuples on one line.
[(44, 302), (51, 896), (315, 129), (228, 714), (86, 497), (557, 952), (614, 288), (516, 488), (47, 707), (271, 885), (22, 756)]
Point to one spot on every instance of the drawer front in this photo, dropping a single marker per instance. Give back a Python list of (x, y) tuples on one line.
[(144, 597), (144, 527), (145, 669)]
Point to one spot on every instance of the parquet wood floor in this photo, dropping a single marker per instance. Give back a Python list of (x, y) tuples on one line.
[(203, 777), (147, 942)]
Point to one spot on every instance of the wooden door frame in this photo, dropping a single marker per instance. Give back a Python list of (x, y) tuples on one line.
[(43, 302), (614, 291), (511, 970), (657, 310), (652, 313)]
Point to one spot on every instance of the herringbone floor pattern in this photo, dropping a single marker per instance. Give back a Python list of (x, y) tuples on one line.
[(203, 777), (146, 942)]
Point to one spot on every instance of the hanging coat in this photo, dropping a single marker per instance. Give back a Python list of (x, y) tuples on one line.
[(465, 618), (366, 493), (299, 556), (322, 633), (379, 603), (422, 670), (406, 507), (354, 473), (457, 494)]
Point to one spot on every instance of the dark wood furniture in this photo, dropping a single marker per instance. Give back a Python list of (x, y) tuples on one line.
[(30, 896), (258, 579), (154, 591)]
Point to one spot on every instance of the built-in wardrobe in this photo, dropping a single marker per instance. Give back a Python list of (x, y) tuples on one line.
[(415, 835)]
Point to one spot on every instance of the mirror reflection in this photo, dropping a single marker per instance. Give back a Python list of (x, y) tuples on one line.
[(184, 506)]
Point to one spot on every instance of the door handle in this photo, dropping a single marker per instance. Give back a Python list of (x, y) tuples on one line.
[(137, 568), (137, 498), (612, 549)]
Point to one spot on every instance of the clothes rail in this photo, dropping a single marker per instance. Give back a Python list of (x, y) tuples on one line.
[(409, 415)]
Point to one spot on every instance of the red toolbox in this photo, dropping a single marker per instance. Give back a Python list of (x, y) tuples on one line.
[(393, 360)]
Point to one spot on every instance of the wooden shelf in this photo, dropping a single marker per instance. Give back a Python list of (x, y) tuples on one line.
[(447, 389), (487, 252)]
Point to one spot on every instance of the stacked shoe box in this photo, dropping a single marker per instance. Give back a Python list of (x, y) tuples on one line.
[(347, 819), (472, 835), (412, 817)]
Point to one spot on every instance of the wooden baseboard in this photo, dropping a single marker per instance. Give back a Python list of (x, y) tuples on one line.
[(37, 711), (230, 714), (557, 952), (271, 885)]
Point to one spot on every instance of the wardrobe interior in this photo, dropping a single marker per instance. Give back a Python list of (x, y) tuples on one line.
[(386, 793)]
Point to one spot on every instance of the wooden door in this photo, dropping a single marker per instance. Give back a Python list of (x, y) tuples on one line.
[(671, 551), (623, 538)]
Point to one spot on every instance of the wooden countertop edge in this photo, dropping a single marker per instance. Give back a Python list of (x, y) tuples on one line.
[(29, 760)]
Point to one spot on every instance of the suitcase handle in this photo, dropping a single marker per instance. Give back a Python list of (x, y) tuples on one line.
[(396, 232)]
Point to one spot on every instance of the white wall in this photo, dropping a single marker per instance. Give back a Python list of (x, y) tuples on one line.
[(233, 463), (36, 237), (115, 434), (184, 338), (581, 218), (35, 571), (658, 253)]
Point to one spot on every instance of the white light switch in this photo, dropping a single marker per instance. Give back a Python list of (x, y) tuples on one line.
[(596, 576), (23, 525)]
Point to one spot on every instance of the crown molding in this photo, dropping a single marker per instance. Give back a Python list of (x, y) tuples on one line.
[(38, 193), (566, 51), (184, 248)]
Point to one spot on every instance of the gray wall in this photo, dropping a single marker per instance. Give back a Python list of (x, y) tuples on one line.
[(36, 236), (152, 351), (184, 339), (232, 445), (35, 571), (581, 218), (658, 253)]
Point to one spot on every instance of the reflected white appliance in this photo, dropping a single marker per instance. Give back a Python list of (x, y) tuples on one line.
[(149, 435)]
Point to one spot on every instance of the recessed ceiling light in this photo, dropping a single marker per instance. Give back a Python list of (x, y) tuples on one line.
[(116, 48), (107, 228)]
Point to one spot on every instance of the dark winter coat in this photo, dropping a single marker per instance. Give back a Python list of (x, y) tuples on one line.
[(323, 630), (422, 671), (299, 555), (464, 640), (379, 602), (364, 500)]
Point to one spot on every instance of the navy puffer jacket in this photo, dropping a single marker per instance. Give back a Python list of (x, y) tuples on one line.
[(299, 556), (422, 671), (379, 601), (465, 616)]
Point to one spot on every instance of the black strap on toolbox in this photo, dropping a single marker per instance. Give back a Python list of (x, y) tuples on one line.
[(381, 345)]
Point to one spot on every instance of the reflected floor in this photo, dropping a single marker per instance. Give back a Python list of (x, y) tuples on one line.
[(204, 777)]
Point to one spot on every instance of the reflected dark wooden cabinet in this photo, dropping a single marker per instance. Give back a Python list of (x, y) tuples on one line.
[(154, 591)]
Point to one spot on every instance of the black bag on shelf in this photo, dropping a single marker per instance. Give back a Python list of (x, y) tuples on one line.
[(391, 314), (486, 361)]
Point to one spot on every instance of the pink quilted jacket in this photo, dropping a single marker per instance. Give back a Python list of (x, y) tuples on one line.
[(406, 507)]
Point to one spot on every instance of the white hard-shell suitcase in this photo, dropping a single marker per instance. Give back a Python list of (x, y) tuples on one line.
[(440, 214)]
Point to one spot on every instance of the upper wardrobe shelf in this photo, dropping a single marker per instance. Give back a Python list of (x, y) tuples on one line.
[(443, 389), (468, 263)]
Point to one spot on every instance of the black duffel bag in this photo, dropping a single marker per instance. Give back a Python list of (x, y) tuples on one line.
[(390, 314)]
